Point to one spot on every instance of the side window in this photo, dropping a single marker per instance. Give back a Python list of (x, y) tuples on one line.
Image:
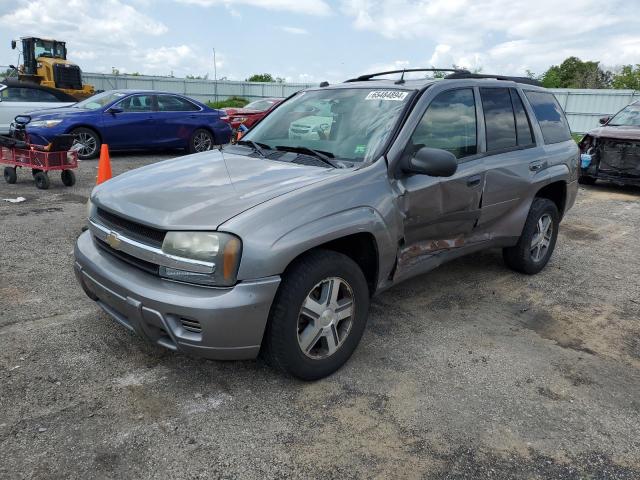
[(498, 118), (449, 124), (42, 96), (137, 103), (523, 126), (550, 116), (170, 103), (17, 94)]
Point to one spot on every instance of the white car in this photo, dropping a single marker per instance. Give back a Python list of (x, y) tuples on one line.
[(17, 98)]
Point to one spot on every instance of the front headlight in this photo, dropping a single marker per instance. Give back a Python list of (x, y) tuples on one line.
[(222, 250), (45, 123)]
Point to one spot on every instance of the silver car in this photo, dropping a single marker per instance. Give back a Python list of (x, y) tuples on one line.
[(275, 246)]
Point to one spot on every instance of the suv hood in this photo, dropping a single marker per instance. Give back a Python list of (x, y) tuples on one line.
[(201, 191), (618, 133)]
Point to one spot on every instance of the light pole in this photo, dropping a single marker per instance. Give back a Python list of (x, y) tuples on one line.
[(215, 74)]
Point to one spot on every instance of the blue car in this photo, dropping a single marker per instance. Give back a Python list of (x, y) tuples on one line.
[(133, 119)]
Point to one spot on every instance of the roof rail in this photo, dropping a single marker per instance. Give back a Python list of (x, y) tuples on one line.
[(369, 76), (526, 80)]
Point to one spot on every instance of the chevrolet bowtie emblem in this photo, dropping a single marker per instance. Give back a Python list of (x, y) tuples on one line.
[(113, 240)]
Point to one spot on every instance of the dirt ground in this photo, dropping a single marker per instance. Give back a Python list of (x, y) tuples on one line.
[(469, 372)]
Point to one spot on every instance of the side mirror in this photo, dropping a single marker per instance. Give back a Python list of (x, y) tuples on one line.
[(115, 110), (604, 120), (13, 44), (433, 162)]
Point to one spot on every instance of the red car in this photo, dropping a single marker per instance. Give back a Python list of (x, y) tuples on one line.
[(251, 113)]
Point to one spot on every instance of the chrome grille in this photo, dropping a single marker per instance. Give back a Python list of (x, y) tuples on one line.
[(136, 231)]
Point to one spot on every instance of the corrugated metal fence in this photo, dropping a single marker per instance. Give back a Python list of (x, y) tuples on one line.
[(583, 107)]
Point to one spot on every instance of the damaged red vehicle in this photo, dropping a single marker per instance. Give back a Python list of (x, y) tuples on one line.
[(612, 151), (251, 113)]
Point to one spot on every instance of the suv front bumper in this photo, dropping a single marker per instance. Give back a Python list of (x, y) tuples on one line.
[(216, 323)]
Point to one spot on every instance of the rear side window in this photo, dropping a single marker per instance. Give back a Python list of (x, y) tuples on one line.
[(499, 121), (523, 127), (449, 124), (13, 94), (550, 116), (169, 103)]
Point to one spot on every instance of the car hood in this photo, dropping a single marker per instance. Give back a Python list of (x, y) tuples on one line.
[(58, 112), (618, 133), (202, 191)]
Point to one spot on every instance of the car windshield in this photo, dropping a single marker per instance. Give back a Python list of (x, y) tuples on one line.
[(99, 100), (260, 105), (627, 117), (346, 123)]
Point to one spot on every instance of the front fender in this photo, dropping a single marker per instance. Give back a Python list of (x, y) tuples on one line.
[(275, 257)]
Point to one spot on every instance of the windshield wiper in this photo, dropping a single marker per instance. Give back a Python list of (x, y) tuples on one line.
[(325, 157), (257, 147)]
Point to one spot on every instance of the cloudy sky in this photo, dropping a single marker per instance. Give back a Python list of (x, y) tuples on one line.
[(315, 40)]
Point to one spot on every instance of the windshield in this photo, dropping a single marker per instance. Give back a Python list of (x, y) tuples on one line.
[(345, 123), (628, 117), (99, 100), (48, 48), (260, 105)]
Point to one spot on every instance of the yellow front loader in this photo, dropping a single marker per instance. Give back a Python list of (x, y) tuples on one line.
[(45, 63)]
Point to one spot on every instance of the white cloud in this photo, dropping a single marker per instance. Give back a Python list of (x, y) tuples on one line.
[(294, 30), (309, 7), (506, 35)]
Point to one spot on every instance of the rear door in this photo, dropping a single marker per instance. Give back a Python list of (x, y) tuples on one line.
[(134, 127), (442, 212), (512, 157), (176, 120)]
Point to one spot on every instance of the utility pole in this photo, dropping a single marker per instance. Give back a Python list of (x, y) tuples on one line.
[(215, 74)]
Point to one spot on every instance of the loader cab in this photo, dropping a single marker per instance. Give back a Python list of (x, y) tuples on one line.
[(34, 49)]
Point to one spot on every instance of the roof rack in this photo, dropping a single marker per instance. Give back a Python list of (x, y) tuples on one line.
[(466, 74), (369, 76)]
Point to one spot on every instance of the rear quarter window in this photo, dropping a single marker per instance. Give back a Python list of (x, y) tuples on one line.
[(550, 116)]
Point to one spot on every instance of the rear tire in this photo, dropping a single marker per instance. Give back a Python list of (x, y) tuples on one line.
[(315, 341), (90, 142), (201, 141), (42, 180), (10, 175), (68, 178), (538, 238), (585, 180)]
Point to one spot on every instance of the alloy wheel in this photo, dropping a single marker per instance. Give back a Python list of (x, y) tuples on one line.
[(202, 142), (326, 318), (87, 144), (542, 238)]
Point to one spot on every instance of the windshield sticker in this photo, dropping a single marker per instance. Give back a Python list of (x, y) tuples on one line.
[(387, 95), (360, 149)]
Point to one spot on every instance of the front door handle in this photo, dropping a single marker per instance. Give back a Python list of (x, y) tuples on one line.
[(473, 181), (537, 166)]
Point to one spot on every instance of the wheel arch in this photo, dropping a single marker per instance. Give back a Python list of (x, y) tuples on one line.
[(87, 126), (556, 192)]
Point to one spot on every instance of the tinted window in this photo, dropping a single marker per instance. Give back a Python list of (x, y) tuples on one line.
[(13, 94), (498, 118), (523, 127), (137, 103), (449, 123), (169, 103), (550, 116)]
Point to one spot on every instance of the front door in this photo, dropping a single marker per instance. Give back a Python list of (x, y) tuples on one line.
[(440, 213), (134, 126)]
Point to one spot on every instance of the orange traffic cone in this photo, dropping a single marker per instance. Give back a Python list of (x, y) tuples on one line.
[(104, 165)]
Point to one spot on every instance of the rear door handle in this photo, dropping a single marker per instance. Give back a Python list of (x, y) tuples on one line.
[(473, 181)]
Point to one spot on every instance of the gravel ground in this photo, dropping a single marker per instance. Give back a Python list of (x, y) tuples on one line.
[(471, 371)]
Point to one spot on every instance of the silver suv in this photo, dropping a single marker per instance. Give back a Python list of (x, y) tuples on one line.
[(275, 246)]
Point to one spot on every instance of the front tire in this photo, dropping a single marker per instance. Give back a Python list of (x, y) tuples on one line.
[(88, 141), (538, 239), (42, 180), (68, 178), (201, 141), (318, 316), (10, 175)]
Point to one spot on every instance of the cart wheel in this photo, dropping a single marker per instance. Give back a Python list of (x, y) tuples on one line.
[(42, 180), (34, 171), (10, 174), (68, 178)]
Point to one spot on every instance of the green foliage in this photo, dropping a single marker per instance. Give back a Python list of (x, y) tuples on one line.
[(627, 78), (198, 77), (574, 73), (265, 77), (233, 102)]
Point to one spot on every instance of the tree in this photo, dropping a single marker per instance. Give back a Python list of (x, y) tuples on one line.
[(574, 73), (627, 77), (261, 77)]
